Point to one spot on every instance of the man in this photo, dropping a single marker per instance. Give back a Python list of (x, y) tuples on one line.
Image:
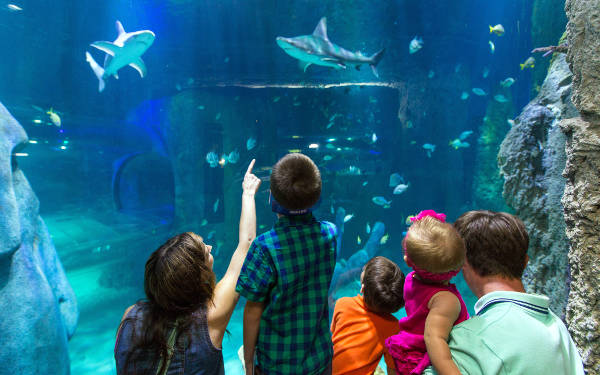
[(513, 332)]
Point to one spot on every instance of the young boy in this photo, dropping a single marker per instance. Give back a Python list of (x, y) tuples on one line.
[(361, 324), (286, 277)]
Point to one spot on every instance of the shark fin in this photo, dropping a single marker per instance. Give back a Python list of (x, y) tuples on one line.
[(106, 47), (98, 71), (321, 29), (375, 59), (304, 65), (139, 66), (120, 29)]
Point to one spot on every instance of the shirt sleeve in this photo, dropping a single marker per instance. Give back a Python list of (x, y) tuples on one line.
[(256, 277)]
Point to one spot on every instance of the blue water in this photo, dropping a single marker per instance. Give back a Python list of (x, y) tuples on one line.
[(109, 178)]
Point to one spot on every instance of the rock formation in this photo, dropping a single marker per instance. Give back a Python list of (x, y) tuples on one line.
[(38, 311), (531, 160), (581, 199)]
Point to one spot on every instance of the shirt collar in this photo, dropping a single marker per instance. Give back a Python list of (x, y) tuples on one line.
[(285, 221), (533, 302)]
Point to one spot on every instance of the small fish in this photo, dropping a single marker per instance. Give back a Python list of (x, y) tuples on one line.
[(211, 234), (204, 222), (415, 45), (430, 148), (201, 107), (511, 122), (409, 124), (492, 46), (431, 74), (332, 210), (178, 87), (529, 63), (233, 157), (372, 99), (330, 146), (408, 220), (368, 228), (365, 183), (381, 201), (457, 143), (384, 239), (401, 188), (276, 99), (374, 138), (464, 135), (479, 92), (54, 117), (507, 82), (218, 116), (457, 68), (464, 95), (14, 8), (347, 218), (498, 29), (216, 205), (395, 179), (250, 143), (486, 72), (226, 60), (212, 159), (500, 98), (327, 157), (358, 240)]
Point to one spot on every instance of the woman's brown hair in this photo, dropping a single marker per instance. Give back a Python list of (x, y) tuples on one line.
[(178, 281)]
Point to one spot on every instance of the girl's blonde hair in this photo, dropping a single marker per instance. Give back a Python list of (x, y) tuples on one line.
[(434, 246)]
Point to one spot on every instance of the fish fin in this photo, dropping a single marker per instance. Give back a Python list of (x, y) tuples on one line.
[(522, 66), (120, 29), (98, 71), (321, 29), (491, 29), (106, 47), (375, 59), (304, 65), (139, 66)]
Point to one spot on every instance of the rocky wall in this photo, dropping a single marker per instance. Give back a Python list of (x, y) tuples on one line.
[(38, 310), (581, 199), (531, 159)]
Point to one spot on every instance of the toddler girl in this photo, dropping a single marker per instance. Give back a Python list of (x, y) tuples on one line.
[(435, 252)]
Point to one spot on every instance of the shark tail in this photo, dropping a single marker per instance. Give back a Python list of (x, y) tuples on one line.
[(375, 59), (98, 71)]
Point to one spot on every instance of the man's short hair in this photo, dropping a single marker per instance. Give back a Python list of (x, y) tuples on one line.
[(496, 243), (383, 284), (296, 182)]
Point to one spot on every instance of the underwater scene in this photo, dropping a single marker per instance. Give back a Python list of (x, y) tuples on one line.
[(141, 117)]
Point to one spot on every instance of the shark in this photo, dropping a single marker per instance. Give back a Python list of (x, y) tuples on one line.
[(127, 49), (317, 49)]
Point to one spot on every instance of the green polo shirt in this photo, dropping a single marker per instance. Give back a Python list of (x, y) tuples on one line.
[(513, 333)]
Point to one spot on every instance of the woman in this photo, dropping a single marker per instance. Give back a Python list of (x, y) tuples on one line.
[(180, 327)]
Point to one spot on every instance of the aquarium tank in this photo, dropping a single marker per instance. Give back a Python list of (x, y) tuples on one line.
[(127, 122)]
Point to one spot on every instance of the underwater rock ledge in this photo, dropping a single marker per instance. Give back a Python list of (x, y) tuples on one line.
[(38, 310), (581, 199), (531, 160)]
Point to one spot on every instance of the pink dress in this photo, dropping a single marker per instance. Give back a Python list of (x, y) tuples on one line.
[(408, 347)]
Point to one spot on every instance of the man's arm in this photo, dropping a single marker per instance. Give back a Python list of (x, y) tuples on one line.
[(252, 313), (444, 309)]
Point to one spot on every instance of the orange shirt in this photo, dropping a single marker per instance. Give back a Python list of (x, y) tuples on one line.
[(358, 337)]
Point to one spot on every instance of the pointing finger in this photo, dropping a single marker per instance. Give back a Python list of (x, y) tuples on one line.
[(249, 171)]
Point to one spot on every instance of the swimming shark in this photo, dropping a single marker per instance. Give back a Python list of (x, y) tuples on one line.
[(127, 49), (317, 49)]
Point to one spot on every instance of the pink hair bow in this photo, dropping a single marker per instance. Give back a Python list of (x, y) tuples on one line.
[(440, 216)]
